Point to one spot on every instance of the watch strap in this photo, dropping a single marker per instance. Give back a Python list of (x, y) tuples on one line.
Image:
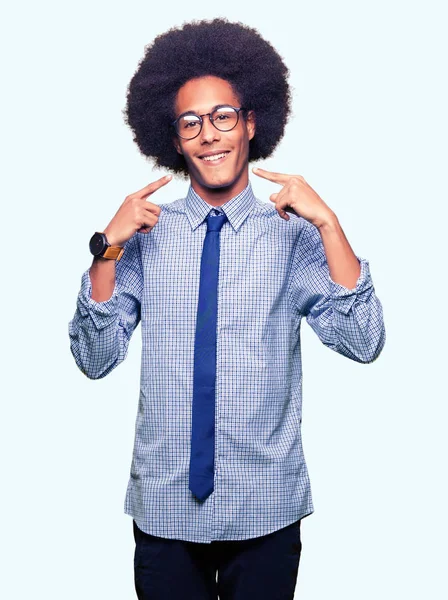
[(113, 252)]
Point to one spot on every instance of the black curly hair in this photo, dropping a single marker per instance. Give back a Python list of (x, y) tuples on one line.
[(231, 51)]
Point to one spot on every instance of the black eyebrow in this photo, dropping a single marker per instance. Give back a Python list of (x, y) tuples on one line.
[(192, 112)]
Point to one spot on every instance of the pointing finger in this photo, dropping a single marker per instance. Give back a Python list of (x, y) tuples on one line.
[(275, 177), (152, 187)]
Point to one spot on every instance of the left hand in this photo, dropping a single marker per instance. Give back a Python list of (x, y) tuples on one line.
[(297, 197)]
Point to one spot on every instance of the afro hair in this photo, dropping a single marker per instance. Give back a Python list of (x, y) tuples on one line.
[(231, 51)]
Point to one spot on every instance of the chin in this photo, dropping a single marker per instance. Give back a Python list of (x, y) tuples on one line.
[(219, 181), (218, 184)]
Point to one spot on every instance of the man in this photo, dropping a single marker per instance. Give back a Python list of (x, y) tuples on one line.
[(220, 282)]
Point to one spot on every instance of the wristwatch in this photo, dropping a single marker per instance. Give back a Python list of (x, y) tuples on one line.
[(99, 246)]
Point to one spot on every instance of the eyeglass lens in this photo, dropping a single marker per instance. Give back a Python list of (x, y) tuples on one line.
[(223, 118)]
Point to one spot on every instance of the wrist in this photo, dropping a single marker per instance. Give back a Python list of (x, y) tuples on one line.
[(111, 238), (330, 222), (100, 246)]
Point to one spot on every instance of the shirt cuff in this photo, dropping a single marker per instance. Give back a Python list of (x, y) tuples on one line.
[(343, 298), (102, 314)]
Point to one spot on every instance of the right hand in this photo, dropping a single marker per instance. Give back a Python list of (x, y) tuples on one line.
[(136, 214)]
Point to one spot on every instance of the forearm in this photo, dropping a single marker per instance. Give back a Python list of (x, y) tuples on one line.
[(346, 314), (102, 277), (343, 265), (107, 312)]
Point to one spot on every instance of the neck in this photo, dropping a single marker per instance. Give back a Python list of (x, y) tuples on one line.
[(219, 195)]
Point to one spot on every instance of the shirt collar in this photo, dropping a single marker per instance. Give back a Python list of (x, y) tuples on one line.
[(236, 209)]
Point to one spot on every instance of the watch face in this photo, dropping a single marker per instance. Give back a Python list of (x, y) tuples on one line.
[(97, 244)]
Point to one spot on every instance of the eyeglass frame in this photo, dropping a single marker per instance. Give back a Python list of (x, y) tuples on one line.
[(209, 115)]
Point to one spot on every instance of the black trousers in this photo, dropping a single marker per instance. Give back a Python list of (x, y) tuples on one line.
[(262, 568)]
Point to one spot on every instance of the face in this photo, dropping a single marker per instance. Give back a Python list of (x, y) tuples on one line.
[(215, 181)]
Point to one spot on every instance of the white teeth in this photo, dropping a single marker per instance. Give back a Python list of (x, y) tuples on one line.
[(215, 156)]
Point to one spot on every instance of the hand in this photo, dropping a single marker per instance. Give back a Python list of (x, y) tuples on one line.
[(297, 197), (136, 214)]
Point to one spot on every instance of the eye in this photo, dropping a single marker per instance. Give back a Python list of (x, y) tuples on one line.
[(189, 122)]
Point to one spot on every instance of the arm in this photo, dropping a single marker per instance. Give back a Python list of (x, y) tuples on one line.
[(343, 264), (100, 330), (109, 302), (349, 321)]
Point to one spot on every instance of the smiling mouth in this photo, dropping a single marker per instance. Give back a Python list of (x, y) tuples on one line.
[(215, 158)]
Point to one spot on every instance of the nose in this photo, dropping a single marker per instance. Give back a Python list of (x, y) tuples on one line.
[(209, 133)]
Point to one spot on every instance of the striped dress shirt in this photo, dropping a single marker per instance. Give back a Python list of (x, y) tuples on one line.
[(272, 273)]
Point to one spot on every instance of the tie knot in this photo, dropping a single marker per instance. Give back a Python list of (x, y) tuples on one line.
[(215, 222)]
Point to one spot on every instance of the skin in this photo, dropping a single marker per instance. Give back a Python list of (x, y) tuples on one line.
[(298, 197), (136, 214), (216, 184)]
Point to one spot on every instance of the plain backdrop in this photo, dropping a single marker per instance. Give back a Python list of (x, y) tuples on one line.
[(369, 134)]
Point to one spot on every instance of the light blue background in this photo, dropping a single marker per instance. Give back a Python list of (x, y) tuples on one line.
[(369, 134)]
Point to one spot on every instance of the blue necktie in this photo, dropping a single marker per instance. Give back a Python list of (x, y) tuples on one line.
[(202, 457)]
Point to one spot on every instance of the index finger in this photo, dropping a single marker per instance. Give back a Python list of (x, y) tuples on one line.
[(152, 187), (280, 178)]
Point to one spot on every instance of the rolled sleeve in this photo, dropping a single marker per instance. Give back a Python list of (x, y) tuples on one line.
[(101, 313), (349, 321), (344, 298), (100, 331)]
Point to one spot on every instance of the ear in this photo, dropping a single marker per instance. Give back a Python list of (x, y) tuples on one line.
[(250, 124), (177, 145)]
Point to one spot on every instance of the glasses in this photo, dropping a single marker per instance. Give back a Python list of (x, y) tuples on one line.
[(223, 117)]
